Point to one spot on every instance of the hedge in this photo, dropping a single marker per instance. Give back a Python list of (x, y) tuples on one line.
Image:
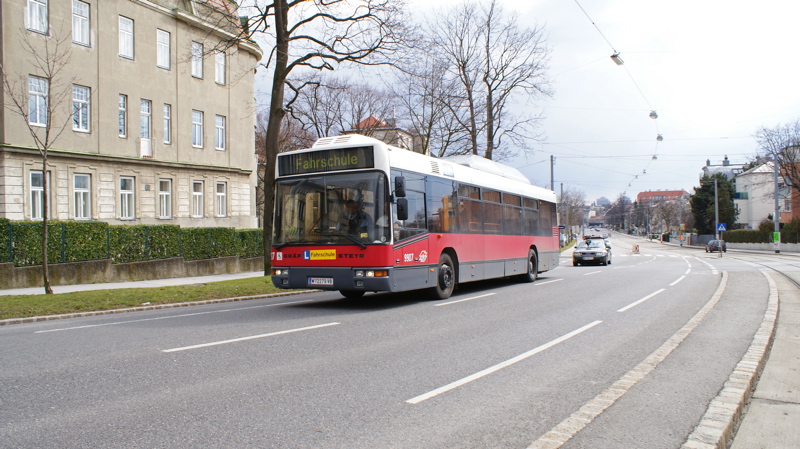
[(249, 243), (205, 243), (26, 242), (5, 240), (72, 241)]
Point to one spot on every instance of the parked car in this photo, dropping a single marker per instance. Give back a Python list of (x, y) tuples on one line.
[(716, 245), (591, 251)]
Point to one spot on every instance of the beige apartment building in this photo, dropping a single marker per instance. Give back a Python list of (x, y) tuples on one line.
[(159, 113)]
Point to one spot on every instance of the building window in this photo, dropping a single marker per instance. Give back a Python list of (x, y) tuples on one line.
[(37, 101), (197, 129), (145, 119), (37, 195), (80, 108), (82, 191), (162, 53), (219, 132), (127, 211), (164, 198), (125, 37), (37, 16), (219, 67), (80, 23), (197, 199), (197, 59), (123, 116), (167, 123), (222, 201)]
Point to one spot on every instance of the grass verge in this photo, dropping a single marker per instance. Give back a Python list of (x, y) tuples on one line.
[(23, 306)]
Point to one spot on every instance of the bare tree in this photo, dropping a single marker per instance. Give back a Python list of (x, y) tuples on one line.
[(318, 35), (571, 206), (782, 144), (41, 100), (292, 137), (496, 63), (456, 37), (423, 89), (515, 62)]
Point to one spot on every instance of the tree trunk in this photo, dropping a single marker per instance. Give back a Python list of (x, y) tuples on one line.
[(45, 211), (274, 124)]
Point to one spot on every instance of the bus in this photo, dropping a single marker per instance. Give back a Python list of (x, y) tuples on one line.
[(356, 215)]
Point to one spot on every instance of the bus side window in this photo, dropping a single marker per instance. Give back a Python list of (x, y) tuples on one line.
[(441, 206), (416, 223)]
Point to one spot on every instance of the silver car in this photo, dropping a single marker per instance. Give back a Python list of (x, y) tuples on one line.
[(591, 251)]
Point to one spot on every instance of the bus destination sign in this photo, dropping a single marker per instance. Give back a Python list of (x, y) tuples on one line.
[(326, 160)]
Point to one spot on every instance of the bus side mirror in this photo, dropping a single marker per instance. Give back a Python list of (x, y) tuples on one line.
[(402, 209), (399, 186)]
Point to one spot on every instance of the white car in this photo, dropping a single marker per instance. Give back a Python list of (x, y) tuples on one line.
[(591, 251)]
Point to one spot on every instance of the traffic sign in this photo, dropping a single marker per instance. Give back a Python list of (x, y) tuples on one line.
[(562, 227), (721, 227)]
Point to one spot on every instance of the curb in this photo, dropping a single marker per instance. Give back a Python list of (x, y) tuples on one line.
[(718, 425), (65, 316)]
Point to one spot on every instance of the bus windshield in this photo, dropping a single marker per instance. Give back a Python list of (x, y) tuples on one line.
[(343, 208)]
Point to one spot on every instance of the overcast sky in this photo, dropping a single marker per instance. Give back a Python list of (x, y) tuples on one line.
[(713, 70)]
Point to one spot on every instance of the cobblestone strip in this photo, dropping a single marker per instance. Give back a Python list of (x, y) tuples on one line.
[(717, 426)]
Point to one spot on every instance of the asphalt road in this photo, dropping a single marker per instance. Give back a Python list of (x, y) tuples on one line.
[(636, 349)]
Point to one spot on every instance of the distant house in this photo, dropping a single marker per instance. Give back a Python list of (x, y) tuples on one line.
[(385, 131), (755, 196), (657, 196), (725, 168)]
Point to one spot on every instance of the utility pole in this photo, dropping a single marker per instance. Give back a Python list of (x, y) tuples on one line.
[(552, 163), (716, 215), (777, 214)]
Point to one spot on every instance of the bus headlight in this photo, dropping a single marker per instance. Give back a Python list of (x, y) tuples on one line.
[(359, 273), (280, 272)]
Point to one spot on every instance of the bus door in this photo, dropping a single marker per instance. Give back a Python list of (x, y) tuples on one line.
[(411, 257)]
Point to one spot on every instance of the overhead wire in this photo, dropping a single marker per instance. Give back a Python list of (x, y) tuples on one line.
[(615, 57)]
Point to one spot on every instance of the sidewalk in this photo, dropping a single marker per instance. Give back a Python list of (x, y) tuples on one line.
[(132, 284)]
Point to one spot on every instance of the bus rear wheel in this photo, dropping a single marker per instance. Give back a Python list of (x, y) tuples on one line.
[(533, 268), (352, 294), (445, 278)]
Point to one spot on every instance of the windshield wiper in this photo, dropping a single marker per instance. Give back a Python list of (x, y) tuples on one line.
[(348, 236)]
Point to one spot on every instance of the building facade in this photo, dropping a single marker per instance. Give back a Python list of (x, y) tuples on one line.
[(153, 109), (755, 196)]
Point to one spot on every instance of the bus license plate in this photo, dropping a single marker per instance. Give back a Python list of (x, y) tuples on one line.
[(320, 281)]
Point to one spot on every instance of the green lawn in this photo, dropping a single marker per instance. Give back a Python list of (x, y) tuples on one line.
[(22, 306)]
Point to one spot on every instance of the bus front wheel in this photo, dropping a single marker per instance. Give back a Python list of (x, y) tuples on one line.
[(445, 278), (352, 294), (533, 268)]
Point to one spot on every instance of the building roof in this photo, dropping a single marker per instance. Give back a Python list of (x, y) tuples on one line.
[(656, 195)]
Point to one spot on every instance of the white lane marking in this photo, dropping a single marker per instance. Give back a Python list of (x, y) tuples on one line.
[(713, 269), (499, 366), (462, 300), (252, 337), (170, 317), (570, 427), (678, 280), (634, 304), (591, 272), (547, 282)]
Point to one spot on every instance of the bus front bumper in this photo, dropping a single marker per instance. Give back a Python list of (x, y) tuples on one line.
[(334, 278)]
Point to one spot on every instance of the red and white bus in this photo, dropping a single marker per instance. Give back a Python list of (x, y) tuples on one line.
[(357, 215)]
